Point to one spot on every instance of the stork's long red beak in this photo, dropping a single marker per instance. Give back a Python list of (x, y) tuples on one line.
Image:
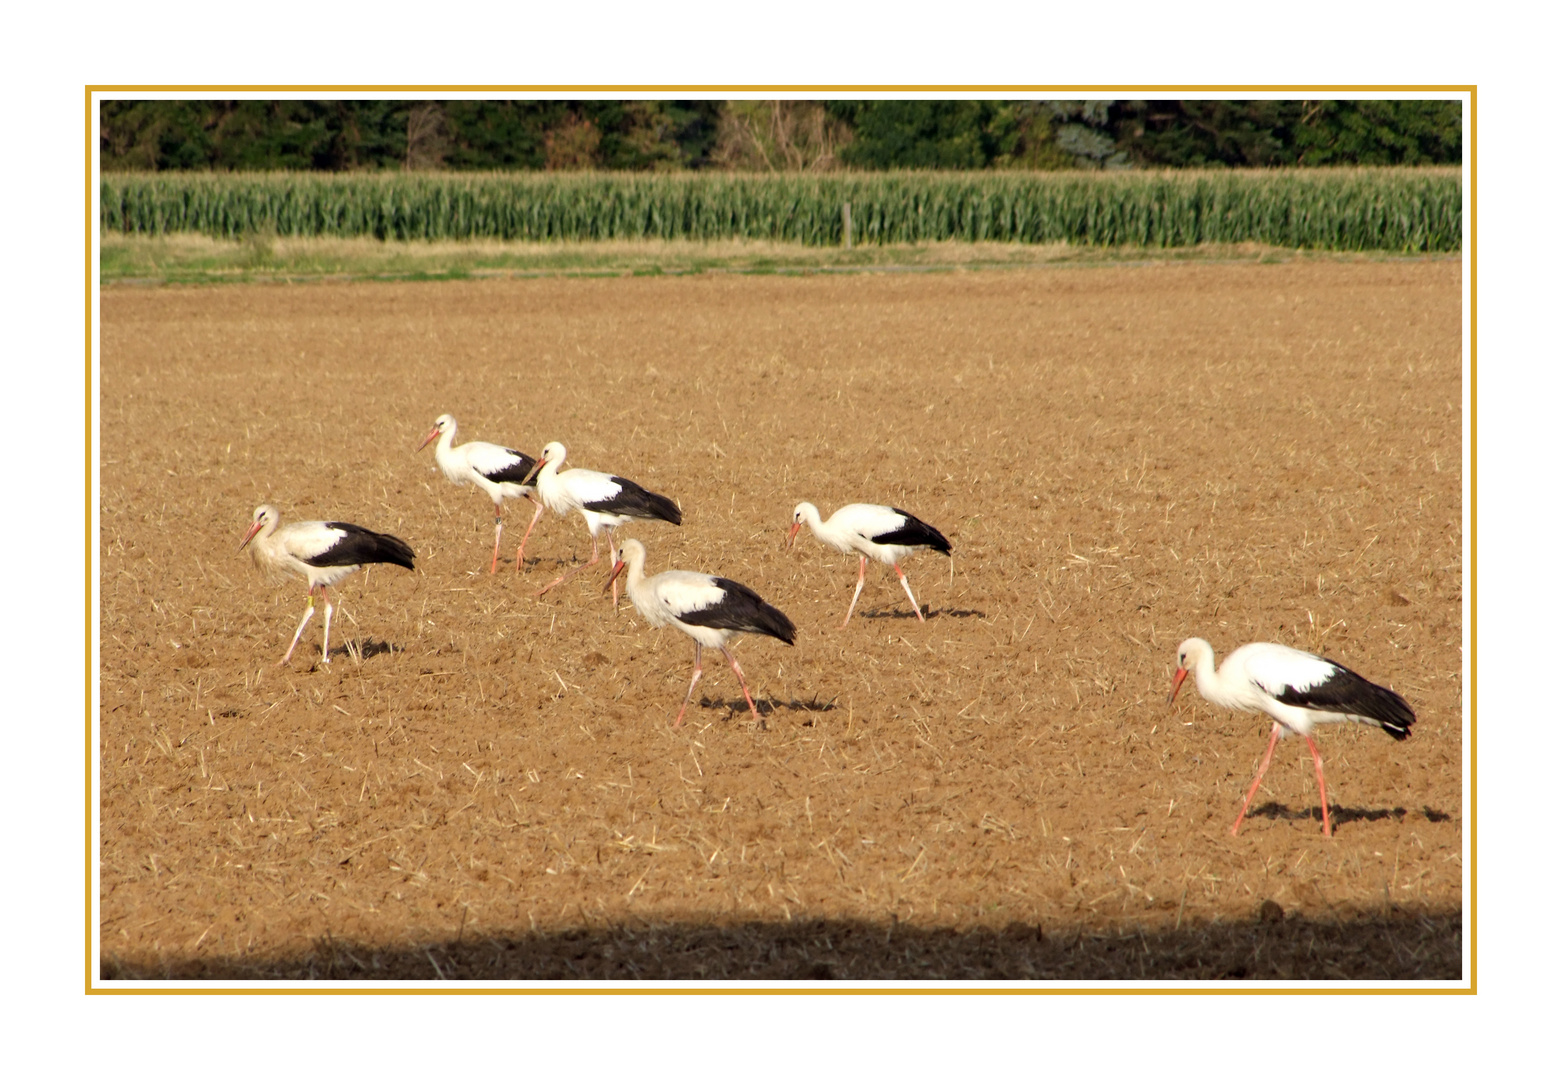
[(253, 529), (1182, 673), (792, 534), (430, 437), (618, 568), (537, 468)]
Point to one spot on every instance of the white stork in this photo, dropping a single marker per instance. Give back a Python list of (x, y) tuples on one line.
[(1297, 690), (324, 552), (498, 470), (604, 501), (874, 532), (709, 609)]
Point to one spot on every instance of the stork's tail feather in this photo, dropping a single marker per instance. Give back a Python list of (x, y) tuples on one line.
[(1391, 711), (395, 550), (660, 506), (773, 622)]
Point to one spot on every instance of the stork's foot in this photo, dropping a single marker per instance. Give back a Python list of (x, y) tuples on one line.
[(561, 579)]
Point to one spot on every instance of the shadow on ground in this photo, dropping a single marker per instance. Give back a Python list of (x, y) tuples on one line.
[(737, 708), (1392, 944), (928, 612), (363, 649), (1341, 815)]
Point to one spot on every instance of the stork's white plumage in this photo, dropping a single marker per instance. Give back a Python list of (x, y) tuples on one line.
[(323, 552), (710, 609), (499, 471), (877, 532), (1297, 690), (603, 500)]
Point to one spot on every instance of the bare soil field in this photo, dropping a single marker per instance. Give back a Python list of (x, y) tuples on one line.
[(485, 784)]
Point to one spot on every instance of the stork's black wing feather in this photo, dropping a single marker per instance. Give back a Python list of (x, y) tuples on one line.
[(743, 610), (1347, 692), (636, 501), (515, 473), (914, 533), (359, 546)]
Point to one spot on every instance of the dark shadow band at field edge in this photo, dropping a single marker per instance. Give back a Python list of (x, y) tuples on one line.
[(1389, 944)]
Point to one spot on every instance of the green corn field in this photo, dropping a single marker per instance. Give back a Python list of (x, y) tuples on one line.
[(1359, 209)]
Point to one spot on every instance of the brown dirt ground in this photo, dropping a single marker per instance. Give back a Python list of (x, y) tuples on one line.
[(488, 786)]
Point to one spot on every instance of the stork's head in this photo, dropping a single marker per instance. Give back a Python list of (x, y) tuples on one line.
[(800, 515), (552, 454), (443, 424), (265, 517), (628, 551), (1188, 654)]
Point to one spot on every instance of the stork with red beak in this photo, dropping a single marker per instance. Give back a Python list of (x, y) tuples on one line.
[(1297, 690), (604, 501), (884, 533), (501, 473), (323, 552), (710, 609)]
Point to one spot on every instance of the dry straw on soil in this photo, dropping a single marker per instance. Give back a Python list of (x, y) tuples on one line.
[(485, 784)]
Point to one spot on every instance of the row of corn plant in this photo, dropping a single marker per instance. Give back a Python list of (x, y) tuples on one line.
[(1330, 209)]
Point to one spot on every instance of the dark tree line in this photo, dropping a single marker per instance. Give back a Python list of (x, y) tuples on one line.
[(773, 135)]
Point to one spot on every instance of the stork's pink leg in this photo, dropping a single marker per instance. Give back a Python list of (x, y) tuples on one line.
[(733, 660), (907, 586), (493, 567), (309, 613), (325, 644), (562, 578), (687, 697), (1323, 796), (862, 575), (522, 549), (1274, 737)]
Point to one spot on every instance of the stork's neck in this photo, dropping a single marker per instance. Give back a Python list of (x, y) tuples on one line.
[(551, 489), (267, 528), (442, 447), (634, 583), (816, 523), (1212, 685), (634, 572), (265, 552), (832, 533), (454, 466), (549, 475)]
